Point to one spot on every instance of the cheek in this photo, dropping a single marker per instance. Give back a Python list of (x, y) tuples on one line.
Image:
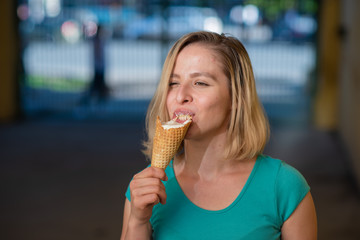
[(212, 105), (219, 105), (169, 101)]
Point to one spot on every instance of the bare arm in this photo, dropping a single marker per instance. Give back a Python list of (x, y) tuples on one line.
[(302, 224), (131, 231), (126, 215), (146, 190)]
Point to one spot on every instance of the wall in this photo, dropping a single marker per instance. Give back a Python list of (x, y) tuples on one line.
[(8, 58), (349, 83)]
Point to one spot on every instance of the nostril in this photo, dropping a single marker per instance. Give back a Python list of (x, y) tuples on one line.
[(183, 95)]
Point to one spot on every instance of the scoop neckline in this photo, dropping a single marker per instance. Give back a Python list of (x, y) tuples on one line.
[(231, 205)]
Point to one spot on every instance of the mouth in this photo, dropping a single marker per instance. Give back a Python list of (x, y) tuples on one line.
[(182, 117)]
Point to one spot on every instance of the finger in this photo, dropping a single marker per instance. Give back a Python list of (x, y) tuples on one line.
[(140, 191), (146, 201), (159, 190), (152, 172), (143, 182)]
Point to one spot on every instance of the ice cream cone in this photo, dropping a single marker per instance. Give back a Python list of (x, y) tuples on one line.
[(167, 140)]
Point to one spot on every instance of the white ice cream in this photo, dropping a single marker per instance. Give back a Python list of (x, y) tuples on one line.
[(174, 124)]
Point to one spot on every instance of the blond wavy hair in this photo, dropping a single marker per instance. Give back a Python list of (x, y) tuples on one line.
[(248, 130)]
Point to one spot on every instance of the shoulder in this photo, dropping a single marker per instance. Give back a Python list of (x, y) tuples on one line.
[(282, 171), (268, 168), (290, 186), (290, 177), (269, 162)]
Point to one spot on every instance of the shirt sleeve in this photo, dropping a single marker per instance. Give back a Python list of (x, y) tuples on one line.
[(127, 193), (291, 188)]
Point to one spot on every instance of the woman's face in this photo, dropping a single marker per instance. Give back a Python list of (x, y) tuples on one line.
[(199, 87)]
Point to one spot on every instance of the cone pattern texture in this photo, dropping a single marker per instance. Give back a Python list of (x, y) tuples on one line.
[(166, 143)]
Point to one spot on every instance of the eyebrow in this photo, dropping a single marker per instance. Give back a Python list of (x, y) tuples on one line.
[(196, 74)]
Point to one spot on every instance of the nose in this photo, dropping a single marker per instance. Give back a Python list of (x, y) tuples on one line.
[(184, 94)]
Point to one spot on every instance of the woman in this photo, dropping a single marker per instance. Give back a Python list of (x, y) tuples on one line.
[(219, 185)]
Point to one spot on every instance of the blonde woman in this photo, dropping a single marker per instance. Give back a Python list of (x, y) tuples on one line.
[(219, 185)]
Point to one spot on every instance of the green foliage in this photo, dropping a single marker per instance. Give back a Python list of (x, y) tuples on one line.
[(272, 9), (56, 84)]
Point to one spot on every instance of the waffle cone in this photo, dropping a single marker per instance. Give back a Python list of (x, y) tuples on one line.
[(166, 143)]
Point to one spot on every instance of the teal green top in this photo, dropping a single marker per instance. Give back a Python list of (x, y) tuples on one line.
[(272, 192)]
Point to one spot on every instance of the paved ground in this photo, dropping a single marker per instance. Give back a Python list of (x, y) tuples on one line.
[(66, 180)]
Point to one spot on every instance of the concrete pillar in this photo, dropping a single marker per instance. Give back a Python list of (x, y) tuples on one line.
[(349, 83), (326, 99)]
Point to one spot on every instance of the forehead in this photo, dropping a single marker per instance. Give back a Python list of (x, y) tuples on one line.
[(198, 54), (197, 47)]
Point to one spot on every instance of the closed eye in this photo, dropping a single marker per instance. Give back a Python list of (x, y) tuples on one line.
[(171, 84), (203, 84)]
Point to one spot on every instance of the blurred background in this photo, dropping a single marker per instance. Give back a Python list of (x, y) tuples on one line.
[(76, 77)]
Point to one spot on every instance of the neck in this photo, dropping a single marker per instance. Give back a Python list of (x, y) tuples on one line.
[(205, 158)]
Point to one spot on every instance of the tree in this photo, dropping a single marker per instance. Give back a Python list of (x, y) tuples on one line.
[(272, 9)]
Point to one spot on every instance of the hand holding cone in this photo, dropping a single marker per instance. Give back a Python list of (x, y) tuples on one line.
[(167, 140)]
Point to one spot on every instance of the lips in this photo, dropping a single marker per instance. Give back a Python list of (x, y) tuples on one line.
[(181, 116)]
